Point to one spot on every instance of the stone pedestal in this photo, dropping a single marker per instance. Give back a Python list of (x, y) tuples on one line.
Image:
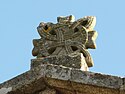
[(74, 60)]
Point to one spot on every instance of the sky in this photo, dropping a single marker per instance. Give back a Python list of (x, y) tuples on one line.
[(20, 18)]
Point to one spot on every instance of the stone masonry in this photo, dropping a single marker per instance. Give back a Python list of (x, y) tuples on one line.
[(62, 62)]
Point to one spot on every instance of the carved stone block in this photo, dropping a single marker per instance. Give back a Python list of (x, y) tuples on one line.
[(74, 60), (65, 37)]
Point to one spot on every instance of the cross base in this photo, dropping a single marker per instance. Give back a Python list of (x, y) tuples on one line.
[(74, 60)]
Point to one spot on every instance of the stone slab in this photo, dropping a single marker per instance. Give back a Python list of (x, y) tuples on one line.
[(75, 60), (62, 80)]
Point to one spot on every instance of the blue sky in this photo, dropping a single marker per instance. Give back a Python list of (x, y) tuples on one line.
[(20, 18)]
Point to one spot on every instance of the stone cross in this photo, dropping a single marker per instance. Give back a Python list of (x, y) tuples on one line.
[(66, 37)]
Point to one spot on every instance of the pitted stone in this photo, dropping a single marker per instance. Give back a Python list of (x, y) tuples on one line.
[(62, 80), (74, 60), (66, 37)]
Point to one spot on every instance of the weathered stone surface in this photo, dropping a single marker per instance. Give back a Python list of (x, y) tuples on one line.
[(66, 37), (5, 90), (96, 79), (48, 91), (74, 60), (62, 80), (122, 89), (62, 62), (25, 83), (91, 40)]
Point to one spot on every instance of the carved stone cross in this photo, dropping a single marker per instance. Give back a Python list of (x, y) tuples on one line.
[(66, 37)]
